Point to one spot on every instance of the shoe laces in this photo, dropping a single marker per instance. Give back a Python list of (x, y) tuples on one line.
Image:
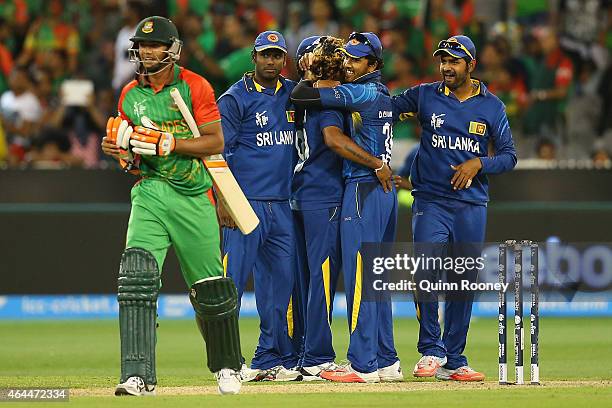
[(426, 361), (331, 366), (137, 381)]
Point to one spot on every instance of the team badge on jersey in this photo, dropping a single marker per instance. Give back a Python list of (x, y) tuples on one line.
[(291, 116), (147, 27), (478, 128)]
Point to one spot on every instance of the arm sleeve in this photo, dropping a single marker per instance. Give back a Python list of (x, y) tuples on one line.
[(504, 158), (306, 96), (331, 118), (231, 118), (352, 97), (203, 103), (406, 104)]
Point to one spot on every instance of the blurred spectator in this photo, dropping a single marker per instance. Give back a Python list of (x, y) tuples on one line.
[(48, 34), (123, 71), (291, 31), (601, 156), (546, 150), (257, 17), (582, 27), (51, 150), (494, 70), (83, 126), (320, 22), (530, 12), (21, 112), (604, 126), (6, 58), (550, 76), (406, 76), (584, 108)]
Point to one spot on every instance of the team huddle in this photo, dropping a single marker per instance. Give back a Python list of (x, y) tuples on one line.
[(312, 158)]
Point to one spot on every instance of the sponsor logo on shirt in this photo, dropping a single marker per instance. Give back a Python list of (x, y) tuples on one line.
[(478, 128), (437, 121)]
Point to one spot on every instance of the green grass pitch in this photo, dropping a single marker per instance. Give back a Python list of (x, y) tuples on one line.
[(575, 366)]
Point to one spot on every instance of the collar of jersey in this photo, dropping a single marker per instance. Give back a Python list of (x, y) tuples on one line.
[(371, 77), (252, 85), (175, 77), (482, 90)]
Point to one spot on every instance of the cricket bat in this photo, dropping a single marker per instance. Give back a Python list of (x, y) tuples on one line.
[(228, 190)]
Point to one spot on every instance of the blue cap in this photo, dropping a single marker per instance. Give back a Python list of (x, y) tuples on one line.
[(458, 46), (270, 39), (307, 45), (363, 44)]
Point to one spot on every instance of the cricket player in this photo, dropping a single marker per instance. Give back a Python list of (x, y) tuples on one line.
[(316, 200), (369, 205), (459, 118), (258, 126), (171, 204)]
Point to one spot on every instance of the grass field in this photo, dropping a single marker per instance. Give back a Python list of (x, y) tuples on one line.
[(575, 361)]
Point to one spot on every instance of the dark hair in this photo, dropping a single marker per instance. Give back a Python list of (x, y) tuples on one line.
[(375, 61), (328, 59)]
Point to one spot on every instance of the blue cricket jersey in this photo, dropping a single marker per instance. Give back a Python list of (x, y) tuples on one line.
[(453, 132), (317, 181), (372, 119), (258, 127)]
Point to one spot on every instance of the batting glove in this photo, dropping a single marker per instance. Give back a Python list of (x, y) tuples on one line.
[(151, 142), (118, 131)]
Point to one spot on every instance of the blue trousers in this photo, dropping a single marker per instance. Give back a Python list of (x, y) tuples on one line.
[(368, 215), (268, 253), (318, 268), (438, 220)]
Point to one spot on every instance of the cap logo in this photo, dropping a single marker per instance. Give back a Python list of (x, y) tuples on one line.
[(354, 41), (272, 37), (452, 39), (147, 27)]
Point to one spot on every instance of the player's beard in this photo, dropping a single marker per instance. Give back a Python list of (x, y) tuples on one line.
[(154, 69), (457, 81)]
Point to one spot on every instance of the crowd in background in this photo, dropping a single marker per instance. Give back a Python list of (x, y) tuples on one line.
[(549, 61)]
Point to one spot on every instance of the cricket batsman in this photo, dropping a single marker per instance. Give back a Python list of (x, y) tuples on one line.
[(171, 204), (459, 118)]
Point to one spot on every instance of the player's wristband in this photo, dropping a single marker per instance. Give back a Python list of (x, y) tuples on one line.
[(380, 168)]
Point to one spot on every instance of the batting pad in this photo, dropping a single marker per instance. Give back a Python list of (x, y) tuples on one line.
[(215, 301), (138, 288)]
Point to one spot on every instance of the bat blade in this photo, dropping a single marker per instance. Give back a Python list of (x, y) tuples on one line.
[(228, 188)]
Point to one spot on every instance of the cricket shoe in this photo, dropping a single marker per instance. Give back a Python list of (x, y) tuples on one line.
[(391, 373), (134, 386), (228, 381), (465, 373), (280, 373), (313, 373), (428, 365), (251, 374), (348, 374)]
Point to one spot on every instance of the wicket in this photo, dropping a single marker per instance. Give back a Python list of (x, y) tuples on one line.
[(518, 247)]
